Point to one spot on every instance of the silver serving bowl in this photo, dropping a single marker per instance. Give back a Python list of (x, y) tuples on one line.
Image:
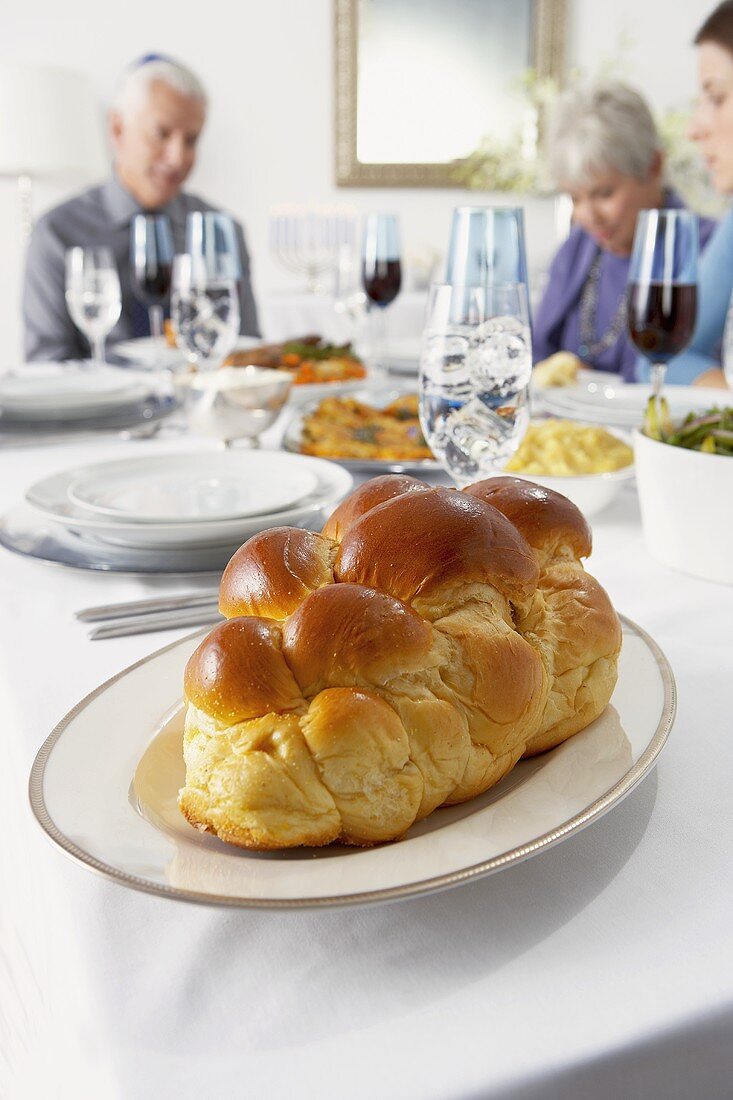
[(233, 402)]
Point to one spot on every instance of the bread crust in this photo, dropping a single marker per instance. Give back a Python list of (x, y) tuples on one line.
[(274, 571)]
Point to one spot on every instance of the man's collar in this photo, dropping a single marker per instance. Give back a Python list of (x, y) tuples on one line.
[(122, 206)]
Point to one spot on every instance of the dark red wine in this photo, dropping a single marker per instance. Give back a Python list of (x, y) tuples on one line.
[(382, 281), (662, 318), (153, 281)]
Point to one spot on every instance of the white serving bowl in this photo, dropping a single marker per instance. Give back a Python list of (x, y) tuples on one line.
[(591, 493), (686, 510)]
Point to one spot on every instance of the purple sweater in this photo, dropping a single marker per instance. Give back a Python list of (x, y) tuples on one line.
[(556, 324)]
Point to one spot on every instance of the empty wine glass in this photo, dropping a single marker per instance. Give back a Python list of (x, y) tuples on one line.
[(475, 371), (662, 294), (381, 276), (204, 311), (93, 295), (151, 264)]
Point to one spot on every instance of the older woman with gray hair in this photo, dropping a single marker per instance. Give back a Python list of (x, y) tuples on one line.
[(155, 121), (606, 154)]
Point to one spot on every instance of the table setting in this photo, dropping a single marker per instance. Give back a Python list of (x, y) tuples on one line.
[(267, 802)]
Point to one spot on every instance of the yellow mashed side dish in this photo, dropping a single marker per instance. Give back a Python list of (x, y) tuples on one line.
[(563, 448)]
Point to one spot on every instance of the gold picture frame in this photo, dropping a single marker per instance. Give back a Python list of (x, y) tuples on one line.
[(547, 47)]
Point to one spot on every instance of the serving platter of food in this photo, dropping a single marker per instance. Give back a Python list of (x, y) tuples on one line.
[(369, 753), (309, 359), (372, 432), (313, 364)]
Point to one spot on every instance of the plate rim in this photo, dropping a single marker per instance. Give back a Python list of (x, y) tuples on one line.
[(140, 517), (593, 812)]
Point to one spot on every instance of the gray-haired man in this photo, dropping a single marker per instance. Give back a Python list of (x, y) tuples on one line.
[(155, 123)]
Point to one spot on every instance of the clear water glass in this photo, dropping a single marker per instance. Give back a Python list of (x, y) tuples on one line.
[(211, 239), (486, 246), (204, 312), (475, 372), (93, 296)]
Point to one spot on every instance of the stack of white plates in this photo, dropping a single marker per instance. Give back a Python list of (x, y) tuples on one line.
[(54, 395), (620, 404), (172, 507)]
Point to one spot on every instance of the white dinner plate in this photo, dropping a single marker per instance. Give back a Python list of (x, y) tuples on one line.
[(104, 787), (197, 487), (154, 351), (623, 404), (59, 392), (148, 352), (49, 497)]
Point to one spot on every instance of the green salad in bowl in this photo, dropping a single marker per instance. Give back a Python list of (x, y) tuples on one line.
[(710, 432)]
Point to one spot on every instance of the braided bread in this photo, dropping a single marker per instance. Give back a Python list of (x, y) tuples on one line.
[(403, 659)]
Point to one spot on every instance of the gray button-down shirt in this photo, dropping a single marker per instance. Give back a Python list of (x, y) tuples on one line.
[(100, 216)]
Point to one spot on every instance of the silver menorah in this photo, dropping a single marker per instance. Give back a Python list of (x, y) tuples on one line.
[(309, 240)]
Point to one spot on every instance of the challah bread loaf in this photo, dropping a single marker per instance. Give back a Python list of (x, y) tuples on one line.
[(403, 659), (571, 621)]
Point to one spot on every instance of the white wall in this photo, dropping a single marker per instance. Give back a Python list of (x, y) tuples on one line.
[(268, 66)]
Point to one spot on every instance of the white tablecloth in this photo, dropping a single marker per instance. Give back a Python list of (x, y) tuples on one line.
[(603, 967)]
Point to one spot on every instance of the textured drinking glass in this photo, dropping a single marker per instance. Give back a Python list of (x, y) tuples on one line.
[(151, 264), (211, 239), (204, 312), (475, 370), (381, 276), (662, 288), (93, 296), (486, 246)]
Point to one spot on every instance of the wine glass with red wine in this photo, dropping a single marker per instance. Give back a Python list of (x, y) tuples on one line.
[(662, 291), (151, 264), (381, 275)]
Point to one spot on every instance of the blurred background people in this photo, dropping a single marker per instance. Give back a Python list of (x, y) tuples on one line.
[(154, 126), (712, 129), (605, 152)]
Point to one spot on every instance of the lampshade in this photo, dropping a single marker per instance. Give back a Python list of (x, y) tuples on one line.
[(50, 123)]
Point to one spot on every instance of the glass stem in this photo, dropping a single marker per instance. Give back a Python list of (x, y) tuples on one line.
[(155, 314), (378, 342), (658, 373), (98, 349)]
